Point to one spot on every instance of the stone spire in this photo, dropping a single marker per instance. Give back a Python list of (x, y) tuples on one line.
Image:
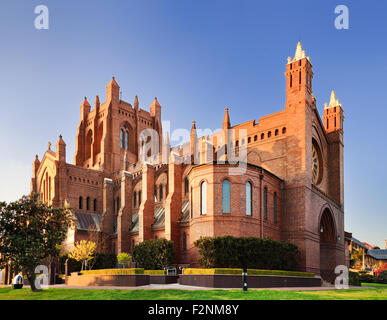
[(86, 103), (97, 102), (226, 120), (193, 138), (300, 54), (136, 104), (155, 108), (113, 91), (61, 149), (333, 101)]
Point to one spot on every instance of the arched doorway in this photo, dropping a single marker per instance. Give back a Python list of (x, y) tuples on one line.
[(327, 230)]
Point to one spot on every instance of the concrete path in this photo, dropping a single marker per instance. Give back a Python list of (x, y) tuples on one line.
[(177, 286)]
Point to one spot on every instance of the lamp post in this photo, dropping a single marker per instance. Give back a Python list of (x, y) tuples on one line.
[(244, 273)]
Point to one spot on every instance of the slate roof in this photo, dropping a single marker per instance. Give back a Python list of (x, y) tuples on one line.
[(86, 220), (159, 217), (359, 243), (379, 254), (185, 211)]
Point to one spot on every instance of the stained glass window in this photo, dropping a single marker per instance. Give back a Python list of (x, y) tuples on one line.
[(203, 198), (226, 188), (275, 207), (248, 198), (315, 165), (265, 203)]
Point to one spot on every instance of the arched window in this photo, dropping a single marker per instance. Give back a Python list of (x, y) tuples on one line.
[(275, 206), (95, 205), (139, 197), (135, 199), (203, 198), (155, 193), (226, 192), (88, 203), (299, 77), (80, 202), (161, 194), (269, 134), (262, 136), (184, 241), (291, 81), (122, 138), (126, 140), (186, 186), (283, 130), (248, 198), (276, 132), (118, 204), (255, 138), (265, 203)]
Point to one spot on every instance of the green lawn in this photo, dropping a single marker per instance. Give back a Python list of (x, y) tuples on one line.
[(101, 294), (364, 284)]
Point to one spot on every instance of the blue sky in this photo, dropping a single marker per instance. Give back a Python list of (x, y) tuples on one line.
[(197, 57)]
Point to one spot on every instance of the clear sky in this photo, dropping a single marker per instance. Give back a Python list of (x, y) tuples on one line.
[(197, 57)]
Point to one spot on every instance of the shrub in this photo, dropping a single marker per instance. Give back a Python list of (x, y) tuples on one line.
[(246, 252), (154, 254), (105, 261), (249, 272), (124, 259), (155, 272), (382, 278), (73, 266), (364, 277), (113, 271), (354, 279)]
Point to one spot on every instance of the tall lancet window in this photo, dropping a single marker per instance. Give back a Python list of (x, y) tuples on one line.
[(122, 138), (203, 198), (126, 140), (265, 203), (248, 198), (226, 192)]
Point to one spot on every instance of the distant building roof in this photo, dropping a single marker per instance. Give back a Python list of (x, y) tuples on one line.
[(368, 245), (361, 244), (379, 254)]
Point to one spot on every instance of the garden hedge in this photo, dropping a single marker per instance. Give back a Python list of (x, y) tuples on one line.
[(249, 272), (155, 272), (246, 252), (113, 271)]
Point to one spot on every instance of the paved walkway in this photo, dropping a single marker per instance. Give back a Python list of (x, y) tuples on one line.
[(177, 286)]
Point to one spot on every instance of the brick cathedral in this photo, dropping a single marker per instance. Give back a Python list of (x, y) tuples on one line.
[(291, 187)]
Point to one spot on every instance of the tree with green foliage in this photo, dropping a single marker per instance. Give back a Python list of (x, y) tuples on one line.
[(154, 254), (124, 259), (83, 251), (30, 231)]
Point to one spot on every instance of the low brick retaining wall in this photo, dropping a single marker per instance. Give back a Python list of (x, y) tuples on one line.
[(236, 281), (160, 279), (122, 280)]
